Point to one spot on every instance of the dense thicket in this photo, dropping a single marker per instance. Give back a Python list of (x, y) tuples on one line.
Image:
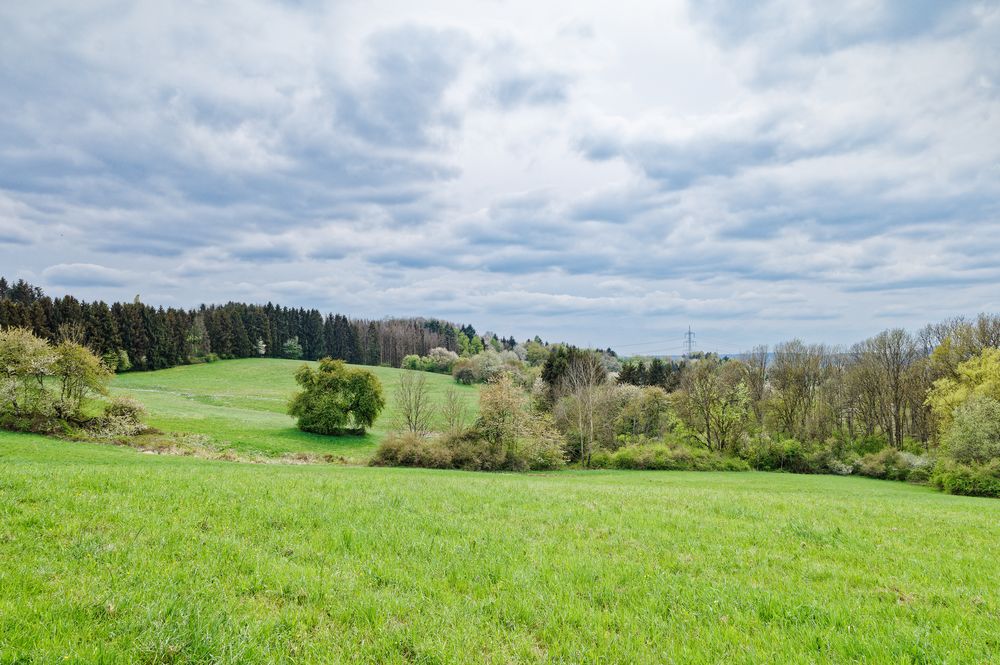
[(140, 336)]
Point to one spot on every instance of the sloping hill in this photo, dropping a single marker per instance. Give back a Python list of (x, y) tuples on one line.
[(240, 404)]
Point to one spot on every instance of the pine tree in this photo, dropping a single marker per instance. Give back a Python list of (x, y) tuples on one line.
[(657, 375), (373, 353), (450, 338)]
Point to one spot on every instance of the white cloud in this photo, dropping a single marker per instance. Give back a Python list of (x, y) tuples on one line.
[(601, 174)]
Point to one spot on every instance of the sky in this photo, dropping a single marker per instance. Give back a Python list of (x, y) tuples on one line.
[(605, 174)]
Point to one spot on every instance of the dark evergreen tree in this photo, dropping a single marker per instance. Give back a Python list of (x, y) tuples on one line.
[(312, 335), (373, 353), (450, 338), (657, 373)]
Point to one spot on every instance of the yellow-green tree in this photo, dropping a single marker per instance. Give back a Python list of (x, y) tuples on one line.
[(977, 376)]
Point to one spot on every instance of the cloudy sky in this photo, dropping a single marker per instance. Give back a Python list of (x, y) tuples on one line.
[(600, 173)]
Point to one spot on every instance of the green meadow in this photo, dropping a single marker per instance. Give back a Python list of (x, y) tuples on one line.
[(240, 405), (112, 555)]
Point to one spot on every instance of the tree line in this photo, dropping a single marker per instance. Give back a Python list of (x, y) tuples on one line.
[(143, 337), (921, 406)]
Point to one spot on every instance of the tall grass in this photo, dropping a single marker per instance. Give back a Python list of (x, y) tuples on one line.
[(110, 555)]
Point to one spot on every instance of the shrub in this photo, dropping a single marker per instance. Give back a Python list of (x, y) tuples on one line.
[(974, 434), (80, 373), (464, 372), (893, 464), (410, 449), (487, 365), (869, 443), (767, 454), (336, 398), (470, 451), (441, 359), (44, 387), (970, 480), (25, 361), (542, 446), (663, 457), (503, 412), (412, 362), (123, 416)]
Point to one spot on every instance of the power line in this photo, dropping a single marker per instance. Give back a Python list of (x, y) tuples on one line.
[(689, 341)]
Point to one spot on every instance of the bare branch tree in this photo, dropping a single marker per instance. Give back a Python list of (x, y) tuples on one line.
[(454, 411), (583, 377), (413, 403)]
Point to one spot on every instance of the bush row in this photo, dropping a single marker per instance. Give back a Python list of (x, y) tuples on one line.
[(469, 451), (968, 479), (840, 458), (665, 457)]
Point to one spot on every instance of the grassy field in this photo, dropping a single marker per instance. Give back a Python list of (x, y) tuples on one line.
[(241, 405), (112, 555)]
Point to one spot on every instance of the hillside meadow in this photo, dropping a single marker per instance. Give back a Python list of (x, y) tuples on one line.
[(241, 405), (113, 555)]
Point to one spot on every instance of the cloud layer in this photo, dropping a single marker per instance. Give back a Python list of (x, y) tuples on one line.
[(604, 175)]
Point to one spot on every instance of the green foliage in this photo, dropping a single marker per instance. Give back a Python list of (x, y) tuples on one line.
[(713, 402), (25, 362), (41, 384), (469, 450), (892, 464), (413, 450), (507, 436), (535, 353), (79, 374), (336, 398), (464, 371), (643, 413), (977, 376), (292, 349), (439, 360), (869, 443), (503, 413), (777, 454), (973, 437), (665, 457), (968, 479), (834, 457), (479, 368), (117, 360)]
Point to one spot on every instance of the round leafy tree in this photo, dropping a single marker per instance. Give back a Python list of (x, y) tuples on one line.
[(336, 398)]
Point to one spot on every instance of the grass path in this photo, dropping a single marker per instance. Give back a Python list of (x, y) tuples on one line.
[(111, 555), (240, 404)]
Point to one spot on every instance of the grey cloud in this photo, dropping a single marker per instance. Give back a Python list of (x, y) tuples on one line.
[(413, 66), (825, 28), (84, 274), (531, 90)]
